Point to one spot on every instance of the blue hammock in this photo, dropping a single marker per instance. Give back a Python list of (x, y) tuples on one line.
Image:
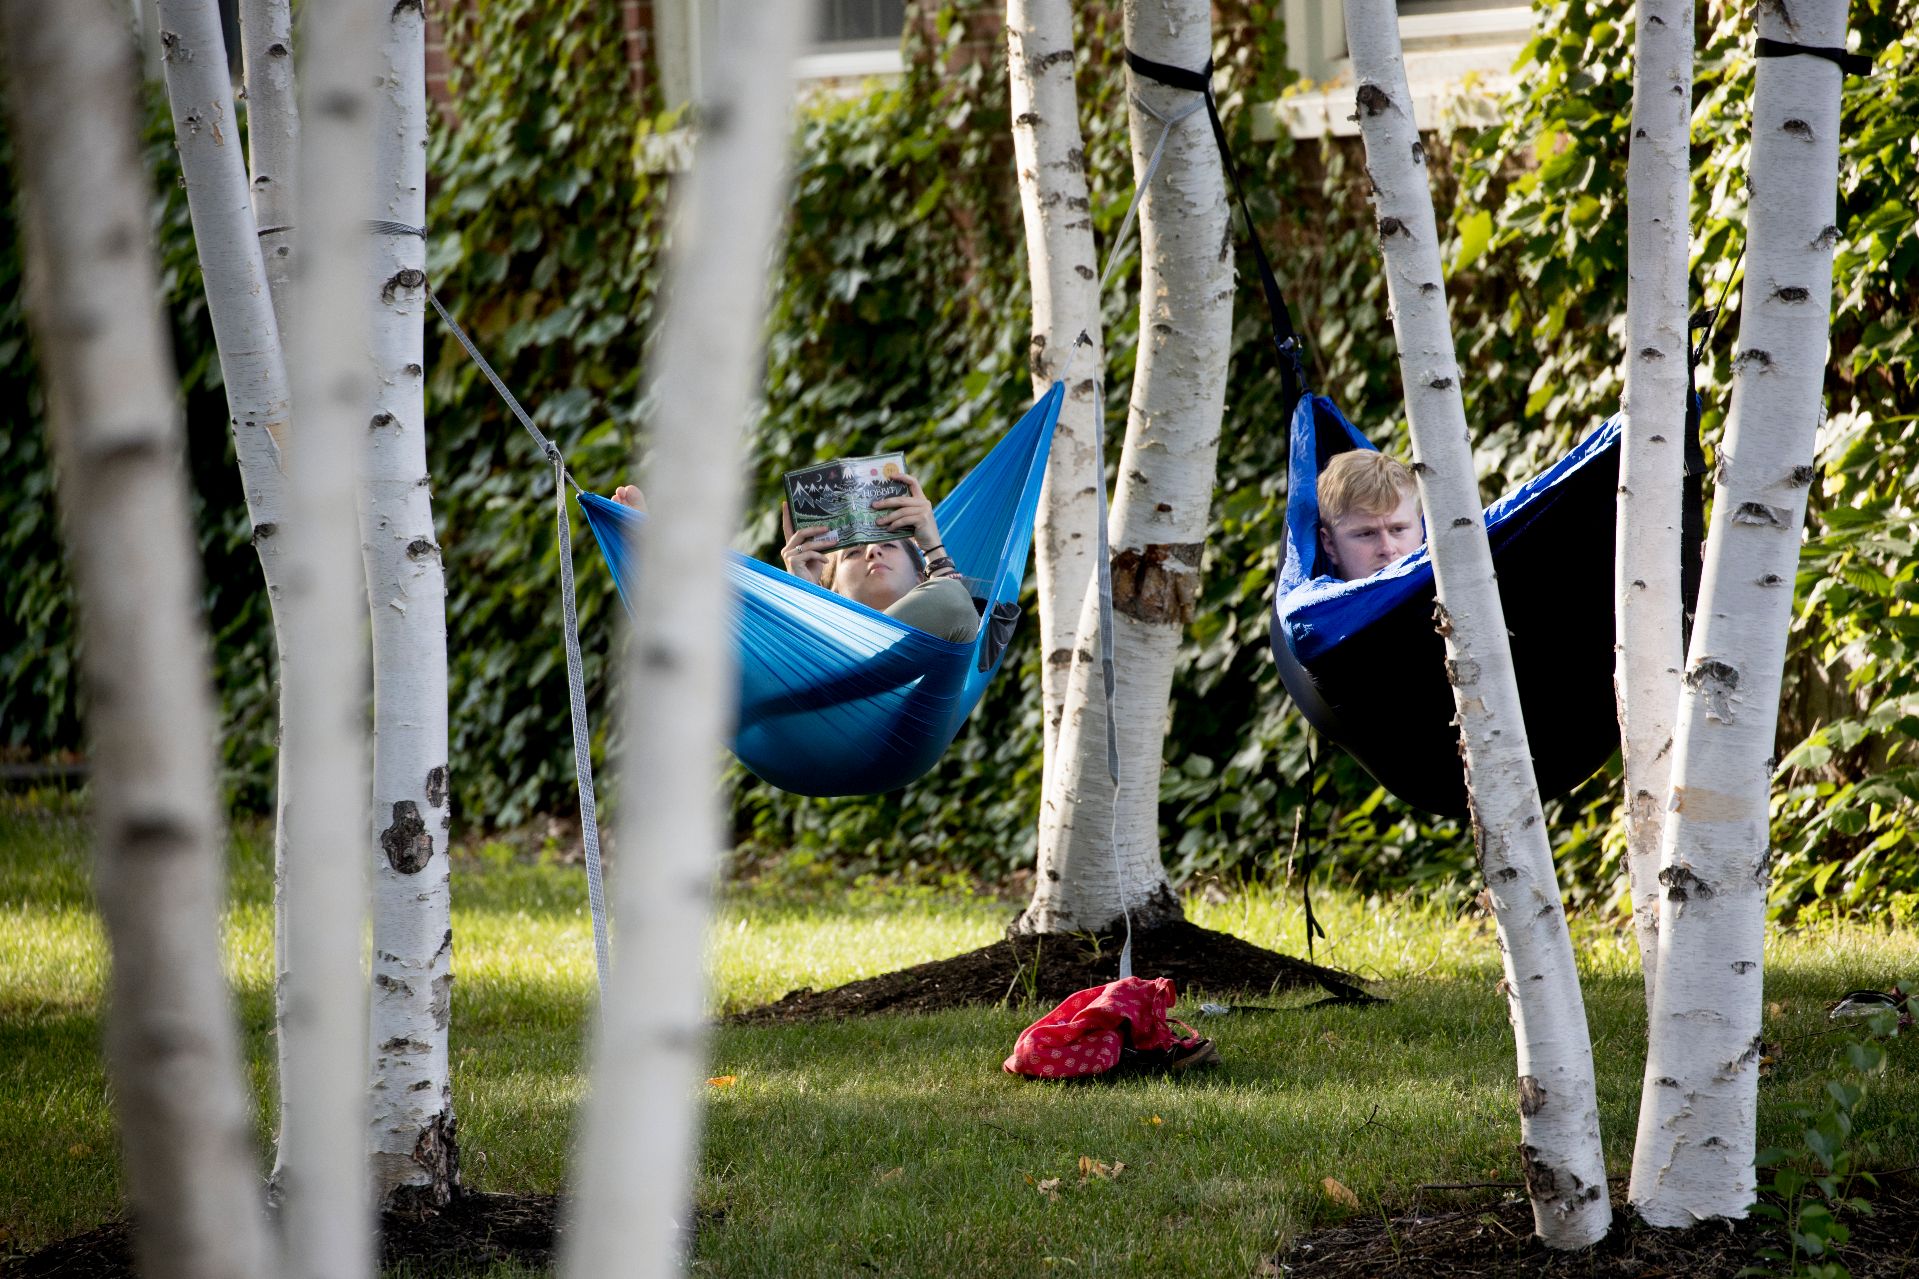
[(839, 699), (1367, 669)]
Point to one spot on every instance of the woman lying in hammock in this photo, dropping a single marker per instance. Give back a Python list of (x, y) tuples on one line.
[(910, 579)]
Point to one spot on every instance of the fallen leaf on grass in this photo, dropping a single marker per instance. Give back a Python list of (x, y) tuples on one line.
[(1337, 1192), (723, 1081), (1049, 1187), (1090, 1167), (1154, 1120), (1269, 1269), (892, 1174)]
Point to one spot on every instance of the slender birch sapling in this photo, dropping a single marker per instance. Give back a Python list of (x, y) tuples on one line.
[(173, 1054), (1649, 608), (1698, 1104), (639, 1126), (1558, 1107), (1062, 264), (412, 1135), (273, 139), (245, 307), (325, 1213), (1160, 510)]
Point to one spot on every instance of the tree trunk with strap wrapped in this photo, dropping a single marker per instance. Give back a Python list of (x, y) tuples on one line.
[(411, 1135), (1559, 1118), (1699, 1101), (1099, 852)]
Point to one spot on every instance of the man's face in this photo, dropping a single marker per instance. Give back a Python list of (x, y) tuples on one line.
[(1360, 543), (876, 574)]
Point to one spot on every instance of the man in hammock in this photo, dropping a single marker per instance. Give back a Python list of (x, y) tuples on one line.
[(1368, 513), (910, 579)]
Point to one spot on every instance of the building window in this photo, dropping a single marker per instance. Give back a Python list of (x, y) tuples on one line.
[(853, 40)]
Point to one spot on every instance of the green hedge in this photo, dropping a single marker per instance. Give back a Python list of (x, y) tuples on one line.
[(899, 319)]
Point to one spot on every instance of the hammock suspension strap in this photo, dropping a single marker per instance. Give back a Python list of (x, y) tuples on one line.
[(1286, 343), (575, 669)]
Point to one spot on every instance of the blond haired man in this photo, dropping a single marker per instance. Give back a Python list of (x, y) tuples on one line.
[(1368, 513)]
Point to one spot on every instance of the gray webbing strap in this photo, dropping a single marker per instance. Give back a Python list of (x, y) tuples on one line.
[(1108, 678), (575, 670)]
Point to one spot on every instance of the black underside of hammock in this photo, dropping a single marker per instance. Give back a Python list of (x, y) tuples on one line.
[(1380, 687)]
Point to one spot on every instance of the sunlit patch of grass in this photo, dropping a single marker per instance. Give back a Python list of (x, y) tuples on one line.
[(896, 1144)]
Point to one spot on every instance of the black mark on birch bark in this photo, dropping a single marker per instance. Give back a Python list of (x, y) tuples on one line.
[(442, 1005), (1052, 59), (1389, 227), (1532, 1098), (1440, 383), (1158, 584), (1419, 153), (1760, 360), (261, 532), (1650, 353), (1716, 681), (1542, 1179), (1792, 293), (1798, 129), (436, 786), (1027, 118), (391, 985), (421, 549), (1464, 521), (406, 843), (1682, 885), (381, 419), (1758, 513), (1372, 99), (407, 279), (1803, 475), (401, 1044)]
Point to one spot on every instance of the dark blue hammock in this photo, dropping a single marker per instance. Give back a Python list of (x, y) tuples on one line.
[(839, 699), (1367, 669)]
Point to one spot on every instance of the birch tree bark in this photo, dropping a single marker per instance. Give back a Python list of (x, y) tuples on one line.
[(1649, 611), (1558, 1107), (1063, 265), (639, 1125), (1698, 1105), (1099, 853), (273, 140), (415, 1155), (241, 302), (325, 1216), (173, 1055)]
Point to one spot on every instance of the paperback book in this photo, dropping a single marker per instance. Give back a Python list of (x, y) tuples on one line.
[(840, 495)]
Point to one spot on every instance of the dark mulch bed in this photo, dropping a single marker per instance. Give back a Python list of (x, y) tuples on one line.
[(1195, 958), (472, 1233), (1497, 1240)]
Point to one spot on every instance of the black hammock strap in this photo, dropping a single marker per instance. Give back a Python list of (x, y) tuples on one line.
[(1850, 63), (1285, 338)]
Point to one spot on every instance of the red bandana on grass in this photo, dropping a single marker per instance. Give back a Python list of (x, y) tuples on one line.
[(1084, 1035)]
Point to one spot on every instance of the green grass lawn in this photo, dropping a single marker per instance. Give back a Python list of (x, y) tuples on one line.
[(894, 1145)]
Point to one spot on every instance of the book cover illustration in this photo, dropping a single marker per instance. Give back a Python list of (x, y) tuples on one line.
[(840, 495)]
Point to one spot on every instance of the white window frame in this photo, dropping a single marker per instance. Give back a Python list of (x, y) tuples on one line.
[(1459, 57)]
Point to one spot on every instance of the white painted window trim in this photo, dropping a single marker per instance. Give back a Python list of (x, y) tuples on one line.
[(1458, 64)]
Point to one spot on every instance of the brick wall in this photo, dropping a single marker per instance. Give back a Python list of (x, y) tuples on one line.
[(636, 32)]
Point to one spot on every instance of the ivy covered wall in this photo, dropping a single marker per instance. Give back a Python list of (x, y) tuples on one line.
[(900, 320)]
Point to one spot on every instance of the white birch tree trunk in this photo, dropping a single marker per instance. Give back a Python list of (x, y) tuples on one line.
[(1649, 610), (1062, 263), (326, 1212), (1160, 512), (273, 140), (1698, 1106), (241, 300), (412, 1139), (1558, 1107), (640, 1123), (173, 1054)]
